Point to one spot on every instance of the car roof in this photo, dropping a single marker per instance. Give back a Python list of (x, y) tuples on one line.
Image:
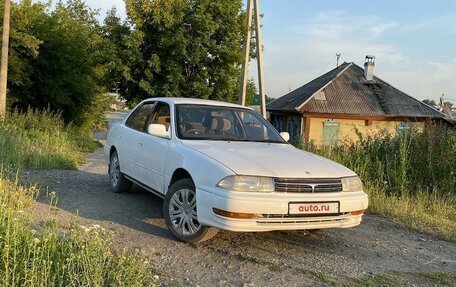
[(192, 101)]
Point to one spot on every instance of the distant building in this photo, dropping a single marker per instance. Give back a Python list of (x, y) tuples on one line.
[(117, 102), (347, 99)]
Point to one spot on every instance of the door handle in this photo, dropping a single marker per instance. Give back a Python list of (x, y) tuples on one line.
[(140, 144)]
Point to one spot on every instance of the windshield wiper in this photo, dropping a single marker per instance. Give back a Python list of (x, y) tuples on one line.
[(266, 141), (252, 140), (227, 139), (234, 139)]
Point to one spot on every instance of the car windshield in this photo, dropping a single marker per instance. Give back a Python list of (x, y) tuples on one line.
[(200, 122)]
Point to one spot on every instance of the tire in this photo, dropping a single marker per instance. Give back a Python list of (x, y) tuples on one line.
[(180, 212), (117, 180)]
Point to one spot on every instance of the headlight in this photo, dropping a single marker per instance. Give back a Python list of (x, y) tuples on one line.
[(247, 183), (352, 184)]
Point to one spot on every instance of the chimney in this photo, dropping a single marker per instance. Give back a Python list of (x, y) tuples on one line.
[(369, 64)]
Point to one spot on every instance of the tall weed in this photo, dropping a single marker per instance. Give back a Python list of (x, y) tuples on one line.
[(405, 164), (410, 178), (40, 139), (45, 254)]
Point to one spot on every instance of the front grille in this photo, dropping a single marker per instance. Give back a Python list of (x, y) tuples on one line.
[(299, 219), (306, 185), (286, 216)]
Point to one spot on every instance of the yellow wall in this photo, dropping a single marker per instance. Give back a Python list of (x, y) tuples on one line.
[(347, 128)]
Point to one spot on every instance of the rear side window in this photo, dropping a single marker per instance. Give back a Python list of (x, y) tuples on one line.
[(139, 117)]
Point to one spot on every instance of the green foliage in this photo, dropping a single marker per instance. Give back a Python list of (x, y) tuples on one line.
[(56, 60), (47, 254), (252, 96), (184, 49), (430, 102), (250, 93), (410, 178), (64, 77), (39, 139), (24, 46), (419, 160), (64, 60), (123, 55)]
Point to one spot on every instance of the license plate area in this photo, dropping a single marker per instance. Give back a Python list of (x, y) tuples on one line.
[(314, 208)]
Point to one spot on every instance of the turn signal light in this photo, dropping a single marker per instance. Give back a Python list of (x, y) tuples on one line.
[(358, 212), (233, 214)]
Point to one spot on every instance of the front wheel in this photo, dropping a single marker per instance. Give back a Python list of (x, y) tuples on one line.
[(180, 212), (117, 180)]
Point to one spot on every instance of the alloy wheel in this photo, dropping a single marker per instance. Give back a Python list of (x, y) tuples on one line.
[(182, 212), (114, 171)]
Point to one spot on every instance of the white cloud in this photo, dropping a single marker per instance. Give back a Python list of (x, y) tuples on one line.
[(339, 24), (423, 79), (443, 23), (308, 49)]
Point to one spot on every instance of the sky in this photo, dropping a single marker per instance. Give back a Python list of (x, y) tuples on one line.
[(414, 42)]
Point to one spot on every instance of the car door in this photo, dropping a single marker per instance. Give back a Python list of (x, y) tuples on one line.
[(128, 138), (152, 150)]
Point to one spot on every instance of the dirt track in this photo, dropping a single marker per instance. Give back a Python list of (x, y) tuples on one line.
[(376, 247)]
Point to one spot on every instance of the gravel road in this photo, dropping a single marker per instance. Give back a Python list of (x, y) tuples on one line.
[(375, 248)]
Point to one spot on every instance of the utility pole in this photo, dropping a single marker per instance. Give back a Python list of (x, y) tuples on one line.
[(4, 63), (250, 8), (245, 65), (260, 58)]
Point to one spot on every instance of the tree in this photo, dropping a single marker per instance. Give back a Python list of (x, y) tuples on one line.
[(187, 48), (251, 93), (58, 60), (67, 72), (123, 53), (430, 102), (24, 47)]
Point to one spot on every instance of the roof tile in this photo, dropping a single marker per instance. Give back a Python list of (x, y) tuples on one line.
[(347, 92)]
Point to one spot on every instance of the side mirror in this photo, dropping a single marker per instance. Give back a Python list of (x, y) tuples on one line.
[(285, 136), (157, 130)]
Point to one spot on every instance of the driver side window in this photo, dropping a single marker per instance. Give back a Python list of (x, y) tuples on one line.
[(139, 117), (162, 115)]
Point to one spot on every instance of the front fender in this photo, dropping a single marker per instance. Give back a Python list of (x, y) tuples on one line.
[(206, 172)]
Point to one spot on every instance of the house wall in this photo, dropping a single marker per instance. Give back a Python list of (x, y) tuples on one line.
[(348, 128)]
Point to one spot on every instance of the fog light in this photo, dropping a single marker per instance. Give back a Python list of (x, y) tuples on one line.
[(233, 214), (358, 212)]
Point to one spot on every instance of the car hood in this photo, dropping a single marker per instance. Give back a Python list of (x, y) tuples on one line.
[(269, 159)]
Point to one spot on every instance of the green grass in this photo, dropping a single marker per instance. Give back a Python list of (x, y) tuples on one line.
[(396, 278), (46, 254), (392, 278), (410, 179), (254, 259), (439, 278), (428, 213), (39, 139)]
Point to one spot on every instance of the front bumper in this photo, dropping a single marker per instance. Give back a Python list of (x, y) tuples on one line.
[(272, 210)]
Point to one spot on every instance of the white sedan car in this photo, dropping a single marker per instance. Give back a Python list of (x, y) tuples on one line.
[(223, 166)]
